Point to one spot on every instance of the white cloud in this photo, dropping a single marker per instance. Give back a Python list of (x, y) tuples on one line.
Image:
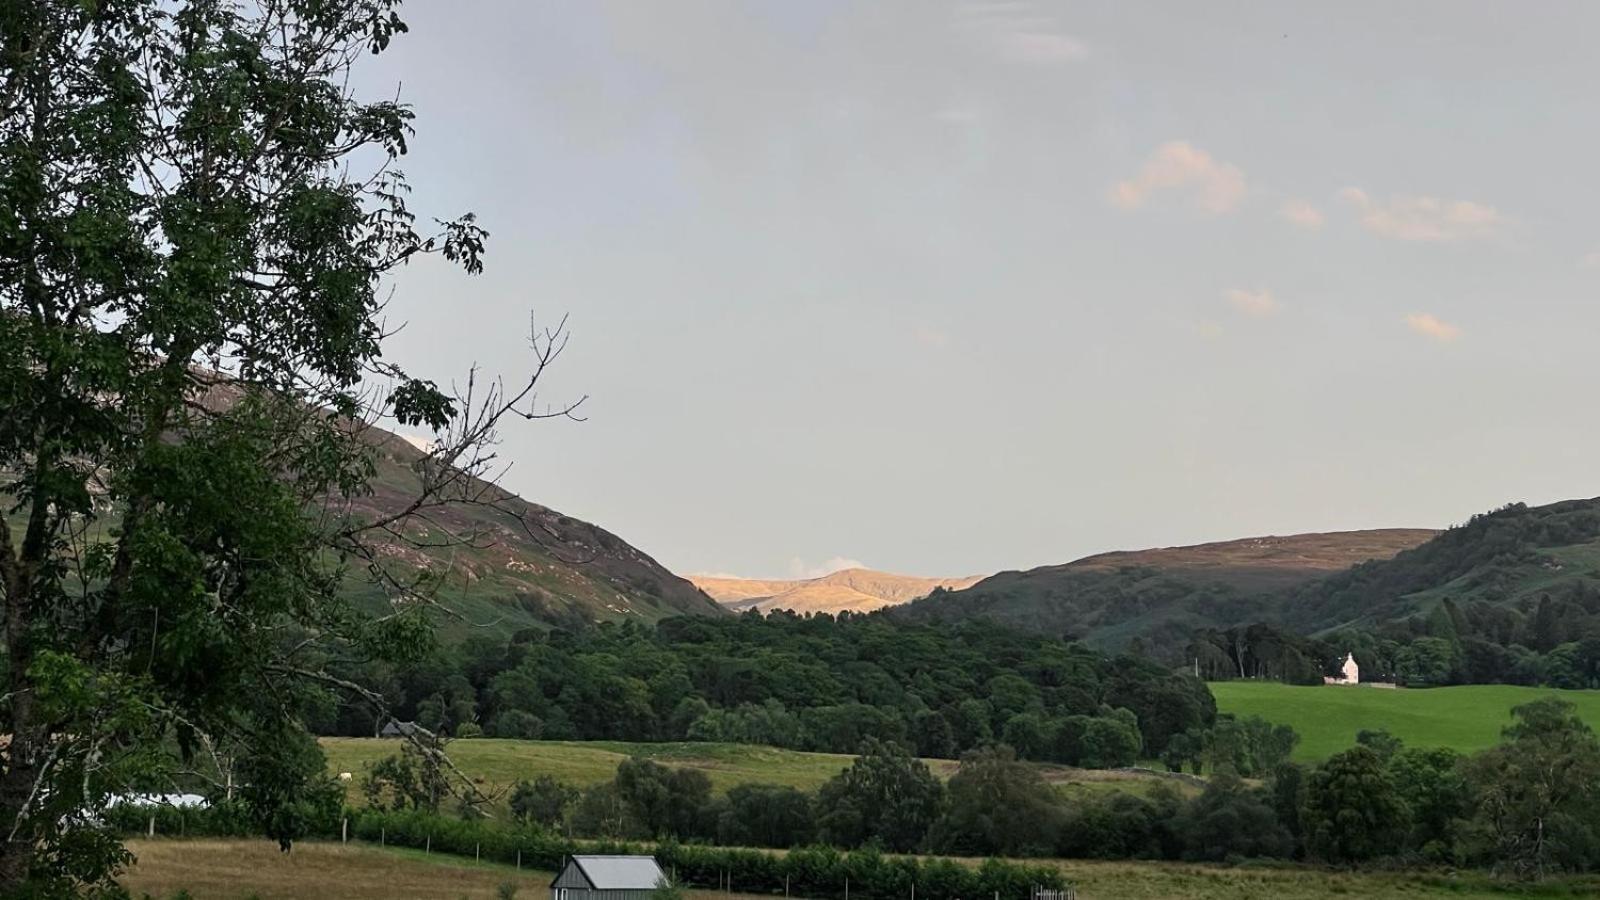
[(1252, 303), (1301, 213), (1018, 32), (1178, 165), (1431, 326), (799, 568), (1209, 330), (929, 337), (1407, 217)]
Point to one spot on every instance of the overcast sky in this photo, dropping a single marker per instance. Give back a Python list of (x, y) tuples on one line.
[(953, 288)]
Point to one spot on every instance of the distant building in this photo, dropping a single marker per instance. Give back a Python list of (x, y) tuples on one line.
[(398, 729), (1350, 673), (177, 801), (607, 878)]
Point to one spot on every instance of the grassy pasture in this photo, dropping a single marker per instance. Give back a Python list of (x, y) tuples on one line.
[(501, 762), (1466, 718), (235, 869)]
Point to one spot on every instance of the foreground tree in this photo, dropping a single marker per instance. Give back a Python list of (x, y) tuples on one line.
[(189, 335)]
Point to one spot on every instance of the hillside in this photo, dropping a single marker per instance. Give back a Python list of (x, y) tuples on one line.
[(1163, 595), (854, 590), (530, 566), (527, 566), (1510, 556)]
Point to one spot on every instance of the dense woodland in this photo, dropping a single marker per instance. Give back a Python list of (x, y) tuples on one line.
[(815, 683), (1553, 641), (1529, 807), (1509, 596)]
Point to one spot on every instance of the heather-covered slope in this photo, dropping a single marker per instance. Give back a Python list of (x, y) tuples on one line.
[(531, 566), (1163, 594)]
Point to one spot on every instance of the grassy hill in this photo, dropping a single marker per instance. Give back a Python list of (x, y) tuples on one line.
[(855, 590), (1162, 594), (1466, 718)]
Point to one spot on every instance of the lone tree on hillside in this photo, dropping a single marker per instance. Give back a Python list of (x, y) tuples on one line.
[(190, 340)]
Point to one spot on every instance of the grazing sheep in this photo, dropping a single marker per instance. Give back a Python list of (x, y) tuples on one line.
[(345, 776)]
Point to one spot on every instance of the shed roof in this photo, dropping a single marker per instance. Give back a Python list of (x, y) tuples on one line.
[(621, 873)]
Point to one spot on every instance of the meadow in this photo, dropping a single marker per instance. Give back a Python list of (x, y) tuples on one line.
[(500, 762), (232, 869), (503, 762), (1468, 718)]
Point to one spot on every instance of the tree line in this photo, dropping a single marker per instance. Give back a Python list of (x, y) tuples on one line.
[(1527, 807), (808, 683), (1551, 640)]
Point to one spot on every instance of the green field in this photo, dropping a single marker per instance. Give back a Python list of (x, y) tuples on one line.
[(500, 763), (1467, 718), (215, 869)]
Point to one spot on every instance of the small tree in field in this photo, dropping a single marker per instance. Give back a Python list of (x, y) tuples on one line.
[(196, 218)]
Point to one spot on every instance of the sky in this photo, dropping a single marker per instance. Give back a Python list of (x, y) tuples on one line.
[(952, 288)]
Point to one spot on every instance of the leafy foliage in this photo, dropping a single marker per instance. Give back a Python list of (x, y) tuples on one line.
[(814, 683), (191, 268), (1538, 804)]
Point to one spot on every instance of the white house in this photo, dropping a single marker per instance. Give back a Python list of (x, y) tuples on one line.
[(1350, 672)]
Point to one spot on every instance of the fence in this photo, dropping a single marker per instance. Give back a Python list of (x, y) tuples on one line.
[(823, 873)]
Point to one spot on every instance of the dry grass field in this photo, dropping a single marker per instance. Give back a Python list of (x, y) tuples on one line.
[(235, 869), (238, 869)]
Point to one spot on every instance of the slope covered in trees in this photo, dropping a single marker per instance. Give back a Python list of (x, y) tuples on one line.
[(1161, 596), (1516, 553), (1483, 601), (814, 683)]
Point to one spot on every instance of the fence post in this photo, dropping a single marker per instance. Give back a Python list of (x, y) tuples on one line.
[(429, 847), (383, 836), (344, 830), (152, 826), (519, 859), (785, 886), (477, 851), (847, 888)]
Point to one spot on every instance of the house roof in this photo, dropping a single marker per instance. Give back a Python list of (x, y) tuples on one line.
[(621, 873)]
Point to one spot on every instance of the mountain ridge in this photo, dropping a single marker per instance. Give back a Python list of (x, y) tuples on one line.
[(847, 590), (1163, 594), (534, 568)]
